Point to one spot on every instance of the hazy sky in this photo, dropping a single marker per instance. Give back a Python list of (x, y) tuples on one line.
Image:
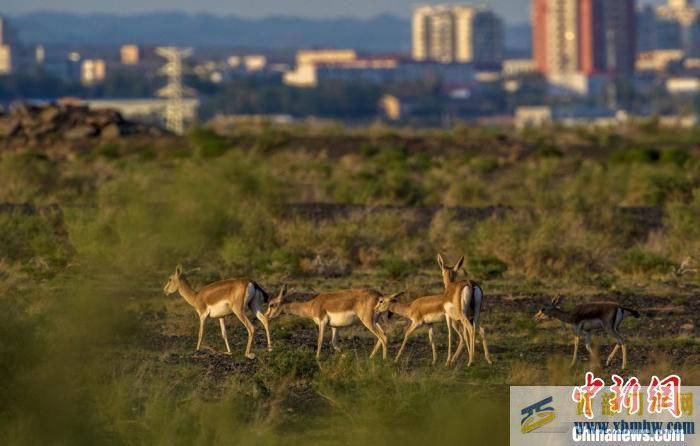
[(511, 10)]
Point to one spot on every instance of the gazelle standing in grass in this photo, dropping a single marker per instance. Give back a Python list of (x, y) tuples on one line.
[(428, 310), (339, 309), (219, 299), (585, 317), (462, 301)]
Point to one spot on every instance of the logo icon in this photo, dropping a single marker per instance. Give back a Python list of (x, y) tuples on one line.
[(537, 415)]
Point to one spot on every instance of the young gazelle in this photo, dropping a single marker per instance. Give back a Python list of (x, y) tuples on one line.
[(219, 299), (428, 310), (339, 309), (462, 301), (585, 317)]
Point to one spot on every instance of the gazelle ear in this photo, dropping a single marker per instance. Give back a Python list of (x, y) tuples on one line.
[(556, 301), (283, 292), (458, 265), (178, 270), (441, 261)]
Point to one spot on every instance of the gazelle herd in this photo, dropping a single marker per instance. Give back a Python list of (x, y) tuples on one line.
[(459, 305)]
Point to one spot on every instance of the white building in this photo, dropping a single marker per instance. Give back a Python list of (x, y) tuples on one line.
[(5, 59), (93, 71), (457, 33)]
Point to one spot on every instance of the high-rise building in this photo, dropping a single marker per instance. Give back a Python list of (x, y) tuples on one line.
[(130, 55), (3, 32), (93, 71), (678, 24), (457, 33), (5, 59), (584, 36)]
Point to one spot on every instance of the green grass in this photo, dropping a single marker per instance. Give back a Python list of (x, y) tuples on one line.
[(93, 353)]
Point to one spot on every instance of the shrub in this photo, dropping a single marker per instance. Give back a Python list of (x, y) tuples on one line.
[(207, 143), (635, 156), (487, 267), (637, 261), (397, 268)]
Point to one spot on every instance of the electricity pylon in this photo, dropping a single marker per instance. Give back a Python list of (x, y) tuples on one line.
[(175, 90)]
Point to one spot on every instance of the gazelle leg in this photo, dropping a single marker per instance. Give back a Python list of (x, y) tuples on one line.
[(624, 356), (250, 329), (457, 328), (224, 335), (587, 340), (333, 341), (576, 341), (611, 356), (377, 331), (449, 340), (487, 355), (383, 339), (266, 325), (468, 331), (202, 318), (432, 344), (319, 343), (411, 328)]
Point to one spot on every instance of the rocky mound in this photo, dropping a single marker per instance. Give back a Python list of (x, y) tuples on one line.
[(64, 122)]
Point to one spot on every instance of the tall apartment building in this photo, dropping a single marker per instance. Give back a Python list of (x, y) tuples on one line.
[(130, 54), (678, 23), (5, 49), (584, 36), (457, 33), (92, 71)]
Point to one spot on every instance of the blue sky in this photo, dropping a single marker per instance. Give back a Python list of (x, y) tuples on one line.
[(511, 10)]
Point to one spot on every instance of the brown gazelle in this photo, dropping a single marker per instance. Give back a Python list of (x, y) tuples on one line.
[(339, 309), (219, 299), (585, 317), (462, 301), (428, 310)]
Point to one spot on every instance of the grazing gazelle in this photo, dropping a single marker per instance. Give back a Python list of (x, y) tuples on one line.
[(219, 299), (339, 309), (462, 301), (585, 317), (428, 310)]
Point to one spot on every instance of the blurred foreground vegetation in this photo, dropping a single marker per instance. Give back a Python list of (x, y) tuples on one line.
[(93, 353)]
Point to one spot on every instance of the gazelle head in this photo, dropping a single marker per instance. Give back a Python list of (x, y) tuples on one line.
[(449, 273), (548, 310), (173, 281), (385, 302), (275, 307)]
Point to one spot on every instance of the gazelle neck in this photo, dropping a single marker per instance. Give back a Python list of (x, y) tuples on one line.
[(187, 292), (399, 308), (295, 308), (558, 313)]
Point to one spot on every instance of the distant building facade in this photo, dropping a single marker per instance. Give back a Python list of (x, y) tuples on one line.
[(584, 36), (93, 71), (457, 34), (130, 54), (380, 70), (675, 25)]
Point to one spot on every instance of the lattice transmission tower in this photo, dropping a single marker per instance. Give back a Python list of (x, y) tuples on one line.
[(175, 90)]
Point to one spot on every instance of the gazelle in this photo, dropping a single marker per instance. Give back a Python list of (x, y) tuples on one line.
[(462, 301), (585, 317), (339, 309), (428, 310), (219, 299)]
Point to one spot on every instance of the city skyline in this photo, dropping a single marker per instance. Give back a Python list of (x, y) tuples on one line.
[(512, 11)]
